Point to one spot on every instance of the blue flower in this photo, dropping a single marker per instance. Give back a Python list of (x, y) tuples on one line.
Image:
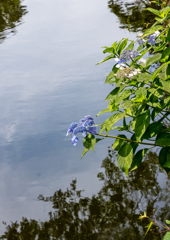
[(79, 129), (126, 56), (152, 39), (92, 130), (141, 41), (74, 140), (71, 128), (85, 125)]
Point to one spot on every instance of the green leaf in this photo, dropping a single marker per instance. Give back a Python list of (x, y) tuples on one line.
[(151, 60), (124, 95), (124, 157), (109, 50), (154, 114), (134, 144), (163, 140), (163, 74), (167, 163), (110, 78), (89, 141), (85, 150), (130, 46), (167, 221), (166, 52), (154, 75), (161, 47), (149, 226), (118, 142), (156, 12), (162, 156), (112, 94), (114, 47), (137, 159), (152, 130), (126, 104), (166, 85), (152, 30), (141, 94), (167, 236), (143, 77), (122, 46), (103, 111), (107, 58), (165, 11), (168, 36), (141, 124), (108, 123)]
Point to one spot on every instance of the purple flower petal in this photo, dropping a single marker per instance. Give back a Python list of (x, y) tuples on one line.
[(92, 130), (74, 140)]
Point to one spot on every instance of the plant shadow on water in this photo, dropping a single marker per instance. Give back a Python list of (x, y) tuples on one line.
[(113, 213), (11, 13)]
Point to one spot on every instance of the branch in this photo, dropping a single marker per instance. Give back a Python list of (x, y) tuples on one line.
[(126, 139)]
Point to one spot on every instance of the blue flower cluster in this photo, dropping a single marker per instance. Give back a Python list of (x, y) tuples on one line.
[(127, 56), (150, 38), (85, 125)]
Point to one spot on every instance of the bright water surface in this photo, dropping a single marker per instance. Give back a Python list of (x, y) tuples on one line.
[(48, 80)]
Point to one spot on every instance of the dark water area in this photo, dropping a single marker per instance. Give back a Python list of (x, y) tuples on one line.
[(48, 80)]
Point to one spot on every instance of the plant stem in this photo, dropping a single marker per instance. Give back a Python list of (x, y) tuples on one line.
[(126, 139)]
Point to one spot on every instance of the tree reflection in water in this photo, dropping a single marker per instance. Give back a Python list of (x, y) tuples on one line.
[(11, 13), (110, 214), (130, 14)]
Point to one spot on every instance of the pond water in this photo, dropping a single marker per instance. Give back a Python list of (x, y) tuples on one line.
[(48, 80)]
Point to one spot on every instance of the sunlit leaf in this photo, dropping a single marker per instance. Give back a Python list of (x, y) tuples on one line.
[(114, 93), (107, 58), (152, 30), (110, 78), (167, 236), (152, 130), (130, 46), (119, 142), (158, 70), (137, 159), (89, 142), (156, 12), (122, 46), (103, 111), (149, 226), (141, 124), (163, 140), (108, 123), (124, 157), (151, 60), (167, 221)]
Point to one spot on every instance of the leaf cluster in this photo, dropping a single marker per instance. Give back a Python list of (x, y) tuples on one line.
[(140, 103)]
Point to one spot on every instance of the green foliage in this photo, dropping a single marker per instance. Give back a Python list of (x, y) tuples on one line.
[(141, 93)]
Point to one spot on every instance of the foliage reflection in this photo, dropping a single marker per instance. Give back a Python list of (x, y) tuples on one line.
[(11, 13), (110, 214), (130, 14)]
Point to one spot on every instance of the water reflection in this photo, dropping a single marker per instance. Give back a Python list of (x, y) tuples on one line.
[(110, 214), (130, 14), (11, 13)]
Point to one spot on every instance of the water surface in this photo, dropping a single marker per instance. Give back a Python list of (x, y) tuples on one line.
[(48, 80)]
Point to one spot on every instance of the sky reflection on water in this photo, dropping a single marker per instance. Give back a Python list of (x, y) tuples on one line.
[(48, 80)]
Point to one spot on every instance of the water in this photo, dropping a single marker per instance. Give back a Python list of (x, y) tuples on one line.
[(48, 80)]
